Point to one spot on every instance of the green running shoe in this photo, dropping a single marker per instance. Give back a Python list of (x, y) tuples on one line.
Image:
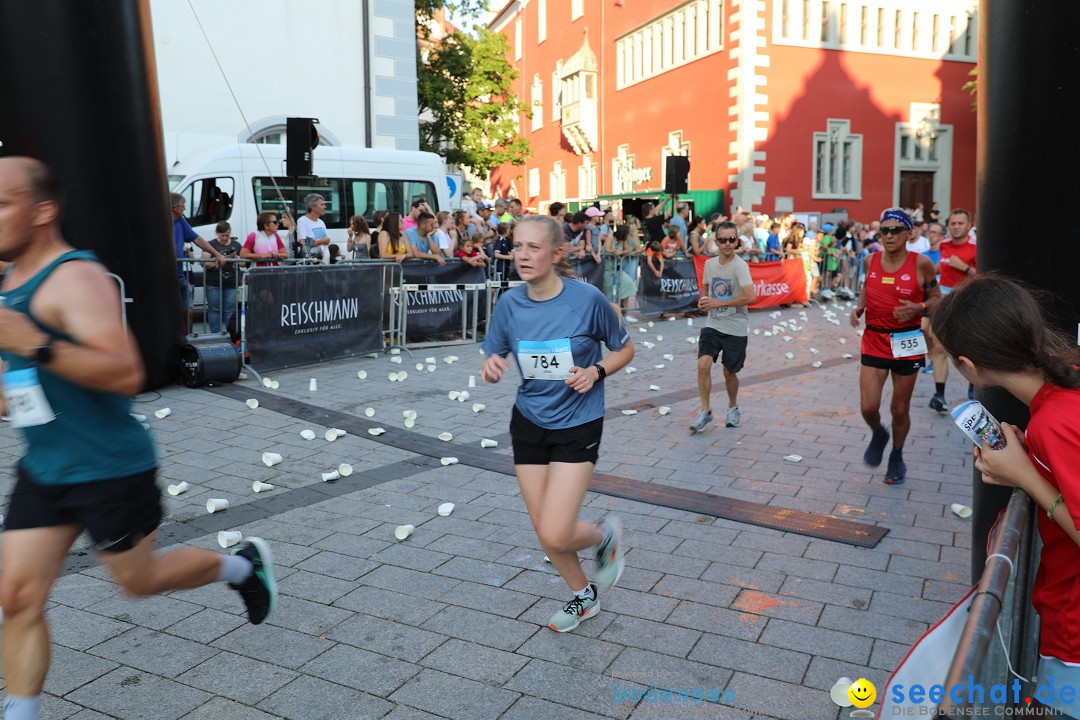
[(574, 612)]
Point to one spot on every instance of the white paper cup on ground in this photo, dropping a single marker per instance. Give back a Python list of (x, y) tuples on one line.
[(396, 359), (446, 437), (630, 370), (962, 511), (446, 508), (274, 385), (408, 414), (629, 412), (669, 357), (267, 382), (661, 366), (402, 375), (486, 443), (463, 396), (453, 394), (163, 413), (816, 363), (228, 538), (431, 368), (479, 407), (419, 367), (214, 505), (789, 356), (659, 338), (340, 432), (654, 388), (663, 410), (270, 459), (392, 377), (313, 385), (140, 418), (344, 469), (403, 531), (370, 412), (259, 486), (307, 434), (793, 458), (252, 403), (330, 435), (362, 374), (330, 476), (410, 423), (395, 351), (179, 488), (376, 431), (448, 460), (430, 360)]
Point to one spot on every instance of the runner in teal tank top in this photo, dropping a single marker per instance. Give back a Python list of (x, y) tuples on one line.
[(70, 368)]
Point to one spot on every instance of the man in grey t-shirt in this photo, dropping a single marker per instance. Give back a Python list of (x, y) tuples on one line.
[(726, 291)]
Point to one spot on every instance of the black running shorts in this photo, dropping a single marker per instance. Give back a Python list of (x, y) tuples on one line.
[(534, 445), (712, 343), (117, 513), (900, 366)]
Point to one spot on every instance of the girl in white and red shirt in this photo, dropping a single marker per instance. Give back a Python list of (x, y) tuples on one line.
[(996, 335)]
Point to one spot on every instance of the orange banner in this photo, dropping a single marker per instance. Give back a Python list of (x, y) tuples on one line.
[(775, 283)]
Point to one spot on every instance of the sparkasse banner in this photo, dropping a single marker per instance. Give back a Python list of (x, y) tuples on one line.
[(775, 283)]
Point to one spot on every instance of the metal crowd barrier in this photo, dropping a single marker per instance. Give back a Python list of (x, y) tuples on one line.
[(1002, 603)]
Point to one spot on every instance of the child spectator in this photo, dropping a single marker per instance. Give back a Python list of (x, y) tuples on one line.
[(504, 246), (996, 335), (468, 252), (654, 256)]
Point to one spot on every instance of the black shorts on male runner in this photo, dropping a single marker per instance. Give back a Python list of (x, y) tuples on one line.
[(731, 349), (900, 366), (117, 513), (534, 445)]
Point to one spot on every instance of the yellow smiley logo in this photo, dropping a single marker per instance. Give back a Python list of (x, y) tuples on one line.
[(862, 693)]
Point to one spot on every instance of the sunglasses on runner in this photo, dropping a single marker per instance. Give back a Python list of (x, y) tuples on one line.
[(894, 230), (727, 240)]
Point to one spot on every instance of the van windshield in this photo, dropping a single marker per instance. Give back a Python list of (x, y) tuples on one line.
[(344, 197)]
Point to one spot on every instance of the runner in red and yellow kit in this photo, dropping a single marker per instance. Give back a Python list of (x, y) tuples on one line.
[(899, 287)]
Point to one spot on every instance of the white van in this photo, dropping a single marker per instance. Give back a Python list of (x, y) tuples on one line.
[(237, 182)]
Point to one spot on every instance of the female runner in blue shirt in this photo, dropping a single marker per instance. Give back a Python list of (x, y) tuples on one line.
[(554, 326)]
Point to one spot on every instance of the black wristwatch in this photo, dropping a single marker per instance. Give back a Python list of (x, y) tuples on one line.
[(43, 354), (600, 370)]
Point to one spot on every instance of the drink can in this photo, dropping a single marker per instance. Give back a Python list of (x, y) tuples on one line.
[(978, 424)]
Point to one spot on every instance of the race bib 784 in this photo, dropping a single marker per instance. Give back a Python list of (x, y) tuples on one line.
[(545, 359)]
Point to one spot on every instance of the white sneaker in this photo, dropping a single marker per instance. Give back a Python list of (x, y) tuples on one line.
[(703, 419), (733, 417)]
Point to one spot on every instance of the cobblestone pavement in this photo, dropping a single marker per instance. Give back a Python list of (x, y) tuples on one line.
[(450, 622)]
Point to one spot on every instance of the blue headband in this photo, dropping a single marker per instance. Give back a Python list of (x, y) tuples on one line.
[(899, 216)]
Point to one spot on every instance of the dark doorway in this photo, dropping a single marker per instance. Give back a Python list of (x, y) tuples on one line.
[(916, 186)]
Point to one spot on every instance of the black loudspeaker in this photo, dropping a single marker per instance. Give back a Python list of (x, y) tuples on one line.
[(677, 171), (202, 364), (301, 138)]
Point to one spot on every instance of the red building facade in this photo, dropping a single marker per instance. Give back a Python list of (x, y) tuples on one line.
[(806, 106)]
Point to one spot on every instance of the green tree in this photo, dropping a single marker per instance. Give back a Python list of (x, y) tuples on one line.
[(466, 83), (426, 9), (972, 86)]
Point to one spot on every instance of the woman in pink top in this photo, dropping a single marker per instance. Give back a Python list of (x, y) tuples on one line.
[(265, 244)]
